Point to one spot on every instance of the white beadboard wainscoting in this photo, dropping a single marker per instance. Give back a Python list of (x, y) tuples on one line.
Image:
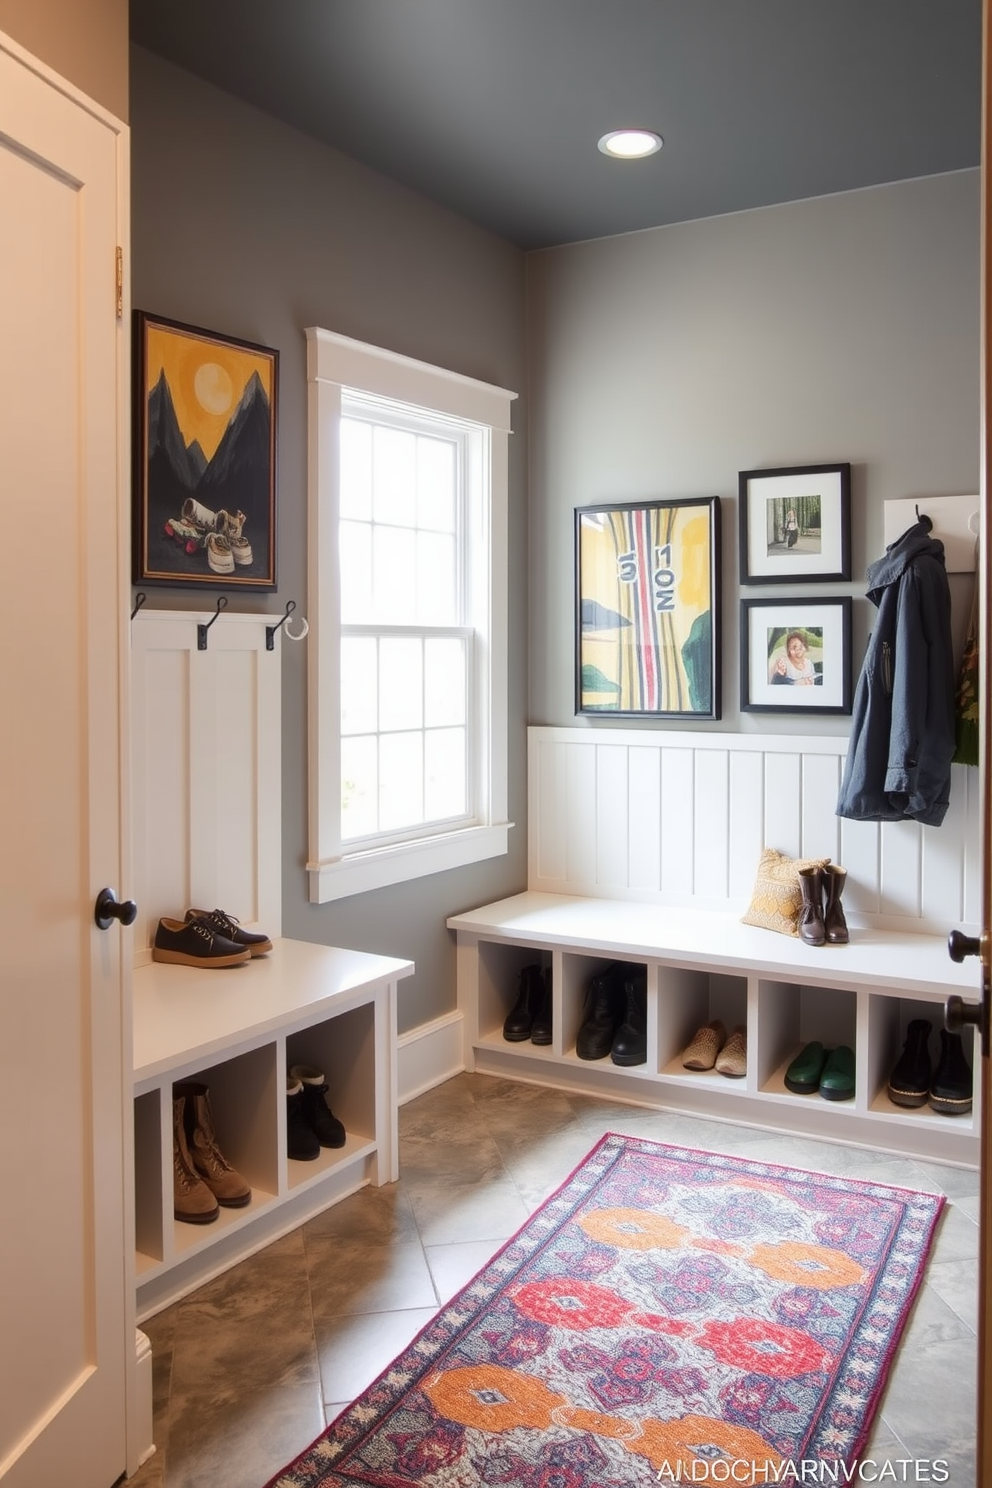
[(681, 818), (206, 746)]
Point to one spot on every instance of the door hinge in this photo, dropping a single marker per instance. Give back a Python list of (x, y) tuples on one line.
[(120, 282)]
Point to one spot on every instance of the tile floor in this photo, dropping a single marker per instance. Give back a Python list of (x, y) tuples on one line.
[(250, 1368)]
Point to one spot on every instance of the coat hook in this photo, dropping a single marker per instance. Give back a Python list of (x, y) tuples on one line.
[(922, 517), (139, 600), (201, 630), (270, 630)]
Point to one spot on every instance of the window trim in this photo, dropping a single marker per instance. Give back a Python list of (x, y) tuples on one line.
[(335, 362)]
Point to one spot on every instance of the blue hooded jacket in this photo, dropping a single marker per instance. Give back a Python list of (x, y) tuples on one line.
[(903, 729)]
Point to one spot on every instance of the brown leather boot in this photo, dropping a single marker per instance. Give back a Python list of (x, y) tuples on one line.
[(811, 928), (209, 1164), (192, 1201), (834, 922)]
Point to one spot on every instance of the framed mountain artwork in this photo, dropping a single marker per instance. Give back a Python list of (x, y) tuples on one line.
[(205, 457), (648, 609)]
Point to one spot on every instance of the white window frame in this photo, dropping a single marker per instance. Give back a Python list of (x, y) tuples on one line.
[(334, 363)]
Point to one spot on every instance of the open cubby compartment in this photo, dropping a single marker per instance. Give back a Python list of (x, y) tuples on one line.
[(499, 968), (577, 972), (149, 1179), (342, 1049), (888, 1020), (243, 1092), (789, 1016), (688, 998)]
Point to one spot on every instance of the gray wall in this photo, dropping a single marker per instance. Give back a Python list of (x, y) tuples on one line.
[(844, 328), (245, 226)]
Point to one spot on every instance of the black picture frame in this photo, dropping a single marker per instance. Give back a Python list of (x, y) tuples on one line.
[(647, 612), (204, 491), (777, 678), (795, 524)]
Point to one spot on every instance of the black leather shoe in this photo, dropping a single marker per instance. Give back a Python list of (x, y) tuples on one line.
[(541, 1029), (603, 1013), (519, 1022), (950, 1088), (909, 1082), (630, 1043)]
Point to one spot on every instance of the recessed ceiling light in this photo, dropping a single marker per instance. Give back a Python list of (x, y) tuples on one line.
[(630, 144)]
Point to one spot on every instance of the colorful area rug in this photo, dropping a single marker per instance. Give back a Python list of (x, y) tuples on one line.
[(667, 1315)]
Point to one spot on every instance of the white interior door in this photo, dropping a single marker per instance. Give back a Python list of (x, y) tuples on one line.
[(64, 1309)]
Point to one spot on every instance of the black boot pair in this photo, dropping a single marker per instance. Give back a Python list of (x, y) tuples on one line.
[(530, 1016), (614, 1018), (310, 1122), (821, 914), (915, 1082)]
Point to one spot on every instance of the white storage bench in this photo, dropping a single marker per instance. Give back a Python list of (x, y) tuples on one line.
[(704, 964)]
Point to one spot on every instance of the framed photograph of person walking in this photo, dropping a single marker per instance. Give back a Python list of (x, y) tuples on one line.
[(796, 655), (647, 591), (205, 457), (795, 524)]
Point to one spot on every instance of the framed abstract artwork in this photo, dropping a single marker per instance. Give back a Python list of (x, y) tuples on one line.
[(648, 609), (205, 457), (795, 524), (796, 655)]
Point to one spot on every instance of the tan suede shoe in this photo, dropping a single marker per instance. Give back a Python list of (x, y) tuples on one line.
[(705, 1046), (732, 1058)]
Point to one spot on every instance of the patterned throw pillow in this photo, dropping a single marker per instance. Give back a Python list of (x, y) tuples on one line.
[(777, 896)]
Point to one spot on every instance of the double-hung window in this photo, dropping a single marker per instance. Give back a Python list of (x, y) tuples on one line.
[(407, 682)]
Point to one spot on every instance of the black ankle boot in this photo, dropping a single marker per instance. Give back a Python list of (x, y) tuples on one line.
[(950, 1088), (541, 1028), (519, 1022), (909, 1082), (630, 1043), (602, 1014), (811, 928)]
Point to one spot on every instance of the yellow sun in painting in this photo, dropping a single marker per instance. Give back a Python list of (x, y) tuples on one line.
[(213, 387)]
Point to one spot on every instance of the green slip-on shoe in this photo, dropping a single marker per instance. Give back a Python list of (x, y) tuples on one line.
[(803, 1075), (837, 1080)]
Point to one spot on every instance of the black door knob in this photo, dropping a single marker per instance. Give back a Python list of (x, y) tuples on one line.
[(958, 1014), (960, 945), (107, 909)]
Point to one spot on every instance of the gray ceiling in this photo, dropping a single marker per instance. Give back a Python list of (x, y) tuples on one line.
[(494, 107)]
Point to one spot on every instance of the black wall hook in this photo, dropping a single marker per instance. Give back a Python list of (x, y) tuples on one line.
[(139, 600), (922, 517), (270, 630), (201, 630)]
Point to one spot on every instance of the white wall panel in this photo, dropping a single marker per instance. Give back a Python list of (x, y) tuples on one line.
[(783, 803), (612, 819), (712, 824), (677, 828), (668, 816), (207, 777), (644, 808), (819, 819)]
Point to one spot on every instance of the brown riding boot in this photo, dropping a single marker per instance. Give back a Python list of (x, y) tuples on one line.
[(811, 928), (834, 923), (209, 1164), (192, 1200)]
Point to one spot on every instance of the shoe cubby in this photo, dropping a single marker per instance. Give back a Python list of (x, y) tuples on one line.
[(237, 1031), (577, 973), (688, 999), (792, 1015), (888, 1023), (343, 1049), (499, 968)]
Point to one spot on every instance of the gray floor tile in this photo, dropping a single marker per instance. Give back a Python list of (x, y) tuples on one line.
[(449, 1212), (353, 1278), (353, 1351), (944, 1378), (454, 1266), (956, 1284)]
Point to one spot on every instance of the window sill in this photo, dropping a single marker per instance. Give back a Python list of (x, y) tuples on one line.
[(359, 873)]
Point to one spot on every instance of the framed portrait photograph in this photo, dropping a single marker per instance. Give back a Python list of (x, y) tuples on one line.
[(205, 457), (796, 655), (795, 524), (648, 609)]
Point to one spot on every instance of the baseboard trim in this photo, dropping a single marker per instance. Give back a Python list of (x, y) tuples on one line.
[(428, 1055)]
